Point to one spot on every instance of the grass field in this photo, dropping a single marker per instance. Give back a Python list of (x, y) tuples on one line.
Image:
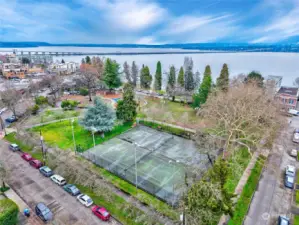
[(296, 220), (60, 134)]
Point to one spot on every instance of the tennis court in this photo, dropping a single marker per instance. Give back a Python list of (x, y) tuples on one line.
[(162, 160)]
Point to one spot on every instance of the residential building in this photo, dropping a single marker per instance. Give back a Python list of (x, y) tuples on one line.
[(287, 97), (64, 68), (14, 70)]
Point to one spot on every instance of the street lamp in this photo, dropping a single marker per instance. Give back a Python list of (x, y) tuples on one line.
[(136, 175), (173, 172), (75, 148), (93, 130), (44, 151)]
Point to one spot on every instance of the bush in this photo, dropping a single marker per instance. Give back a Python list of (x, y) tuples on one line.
[(8, 212), (34, 109), (4, 189), (41, 100), (69, 104), (83, 91)]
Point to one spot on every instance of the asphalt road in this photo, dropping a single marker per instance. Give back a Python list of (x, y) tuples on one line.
[(34, 188), (272, 198)]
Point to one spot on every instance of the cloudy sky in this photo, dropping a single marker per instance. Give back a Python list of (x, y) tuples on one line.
[(150, 21)]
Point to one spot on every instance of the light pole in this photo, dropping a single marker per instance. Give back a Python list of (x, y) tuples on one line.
[(93, 130), (136, 175), (75, 148), (43, 150)]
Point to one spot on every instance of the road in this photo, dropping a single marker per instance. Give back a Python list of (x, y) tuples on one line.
[(32, 187), (272, 198)]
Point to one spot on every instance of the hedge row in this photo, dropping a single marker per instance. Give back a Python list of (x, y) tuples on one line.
[(169, 129), (8, 212), (244, 201)]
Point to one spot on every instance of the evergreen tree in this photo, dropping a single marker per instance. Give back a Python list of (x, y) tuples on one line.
[(62, 61), (127, 72), (256, 77), (197, 80), (126, 108), (145, 78), (204, 89), (171, 82), (87, 60), (112, 74), (25, 61), (189, 76), (83, 61), (223, 80), (158, 77), (181, 80), (134, 73), (99, 118)]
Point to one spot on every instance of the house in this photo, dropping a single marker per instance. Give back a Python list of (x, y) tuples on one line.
[(287, 97), (13, 70), (64, 68)]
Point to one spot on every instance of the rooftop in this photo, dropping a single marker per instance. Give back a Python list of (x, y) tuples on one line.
[(288, 90)]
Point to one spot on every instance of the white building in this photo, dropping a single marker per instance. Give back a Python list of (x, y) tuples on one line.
[(64, 68)]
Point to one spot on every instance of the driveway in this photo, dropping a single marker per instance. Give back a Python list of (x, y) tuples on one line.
[(272, 198), (32, 187)]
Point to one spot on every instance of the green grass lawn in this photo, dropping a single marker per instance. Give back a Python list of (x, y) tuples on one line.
[(296, 220), (60, 134), (297, 197), (25, 148), (243, 202)]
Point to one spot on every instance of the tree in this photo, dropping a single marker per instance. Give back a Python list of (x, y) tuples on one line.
[(196, 79), (222, 82), (255, 77), (171, 86), (3, 175), (99, 118), (10, 98), (25, 61), (62, 61), (158, 77), (296, 82), (87, 60), (88, 79), (204, 89), (134, 73), (54, 83), (181, 79), (127, 72), (112, 74), (126, 108), (189, 76), (145, 78), (83, 61), (98, 64)]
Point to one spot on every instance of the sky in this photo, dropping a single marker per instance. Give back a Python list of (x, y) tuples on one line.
[(150, 21)]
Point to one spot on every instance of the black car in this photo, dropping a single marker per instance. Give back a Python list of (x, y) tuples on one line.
[(46, 171), (72, 189), (11, 119), (14, 147), (43, 212)]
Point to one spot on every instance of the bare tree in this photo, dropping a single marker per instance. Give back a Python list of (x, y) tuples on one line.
[(54, 83), (3, 174), (89, 79), (10, 98)]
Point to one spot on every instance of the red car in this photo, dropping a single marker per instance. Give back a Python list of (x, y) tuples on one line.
[(101, 212), (35, 163), (26, 156)]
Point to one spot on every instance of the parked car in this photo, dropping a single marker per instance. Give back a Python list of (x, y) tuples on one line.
[(72, 189), (293, 112), (43, 212), (14, 147), (290, 171), (11, 119), (101, 212), (296, 130), (296, 137), (289, 181), (35, 163), (26, 156), (294, 153), (282, 220), (46, 171), (58, 179), (85, 200)]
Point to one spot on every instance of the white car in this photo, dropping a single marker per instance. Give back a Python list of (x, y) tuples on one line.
[(290, 171), (296, 137), (85, 200), (58, 179), (293, 153)]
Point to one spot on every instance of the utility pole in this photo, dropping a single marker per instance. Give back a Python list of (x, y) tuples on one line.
[(136, 177), (44, 151), (75, 148)]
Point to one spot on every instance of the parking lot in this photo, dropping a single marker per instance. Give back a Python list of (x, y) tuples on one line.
[(33, 188)]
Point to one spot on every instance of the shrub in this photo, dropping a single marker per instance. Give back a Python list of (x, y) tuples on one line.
[(69, 104), (8, 212), (41, 100), (34, 109), (83, 91)]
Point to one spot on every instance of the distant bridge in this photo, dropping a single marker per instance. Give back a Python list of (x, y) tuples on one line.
[(48, 53)]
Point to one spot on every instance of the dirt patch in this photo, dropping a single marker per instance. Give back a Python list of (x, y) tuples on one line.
[(47, 197)]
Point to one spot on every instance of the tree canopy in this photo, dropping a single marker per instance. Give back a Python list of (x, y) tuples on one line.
[(112, 74), (158, 77), (181, 79), (204, 89), (126, 108), (145, 78), (223, 80), (256, 77), (87, 60), (99, 118), (189, 75)]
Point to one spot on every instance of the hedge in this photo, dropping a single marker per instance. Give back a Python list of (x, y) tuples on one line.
[(8, 212), (169, 129)]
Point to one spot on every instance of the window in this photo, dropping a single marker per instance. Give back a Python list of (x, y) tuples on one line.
[(291, 101)]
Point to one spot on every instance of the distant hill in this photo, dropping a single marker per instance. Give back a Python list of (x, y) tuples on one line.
[(240, 47)]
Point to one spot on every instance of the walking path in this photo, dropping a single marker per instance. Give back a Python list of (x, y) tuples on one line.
[(53, 121)]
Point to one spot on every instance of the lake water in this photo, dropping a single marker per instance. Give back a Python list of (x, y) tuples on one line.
[(280, 64)]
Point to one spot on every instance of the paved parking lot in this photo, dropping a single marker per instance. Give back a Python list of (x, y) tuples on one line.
[(33, 188)]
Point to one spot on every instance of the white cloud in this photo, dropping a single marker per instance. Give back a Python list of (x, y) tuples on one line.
[(260, 40), (148, 40)]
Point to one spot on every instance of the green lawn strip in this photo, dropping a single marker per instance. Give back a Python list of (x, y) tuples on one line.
[(296, 220), (8, 212), (142, 196), (60, 134), (297, 197), (25, 148), (244, 201), (116, 206), (240, 160)]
